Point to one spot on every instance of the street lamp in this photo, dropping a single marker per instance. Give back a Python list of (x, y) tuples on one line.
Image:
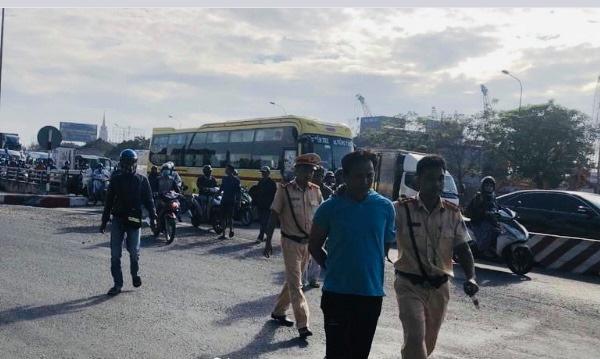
[(520, 85), (278, 105)]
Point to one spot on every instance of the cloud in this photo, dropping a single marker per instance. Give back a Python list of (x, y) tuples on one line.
[(440, 50), (204, 65)]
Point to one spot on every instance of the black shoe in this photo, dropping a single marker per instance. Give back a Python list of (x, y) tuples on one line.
[(230, 234), (137, 281), (304, 333), (114, 291), (282, 320), (222, 236), (314, 284)]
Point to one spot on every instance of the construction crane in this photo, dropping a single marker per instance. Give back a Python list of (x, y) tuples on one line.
[(363, 104)]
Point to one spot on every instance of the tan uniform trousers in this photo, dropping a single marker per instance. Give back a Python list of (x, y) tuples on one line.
[(422, 312), (295, 257)]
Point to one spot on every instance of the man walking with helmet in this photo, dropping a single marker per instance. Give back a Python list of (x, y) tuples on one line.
[(127, 193)]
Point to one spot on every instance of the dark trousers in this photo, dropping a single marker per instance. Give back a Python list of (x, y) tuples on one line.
[(119, 232), (263, 217), (350, 323)]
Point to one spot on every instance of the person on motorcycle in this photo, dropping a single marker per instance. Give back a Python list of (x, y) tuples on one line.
[(204, 182), (127, 193), (98, 173), (166, 183), (482, 210)]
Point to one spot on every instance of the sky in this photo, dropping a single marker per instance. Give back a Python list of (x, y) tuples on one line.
[(184, 67)]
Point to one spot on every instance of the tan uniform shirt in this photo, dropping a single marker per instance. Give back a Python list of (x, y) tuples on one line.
[(305, 203), (436, 235)]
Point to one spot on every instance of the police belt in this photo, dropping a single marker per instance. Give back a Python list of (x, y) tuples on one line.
[(297, 239), (428, 281)]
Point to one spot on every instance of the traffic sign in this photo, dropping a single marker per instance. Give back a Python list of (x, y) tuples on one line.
[(49, 138)]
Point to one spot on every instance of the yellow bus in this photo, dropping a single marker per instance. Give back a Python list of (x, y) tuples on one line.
[(248, 145)]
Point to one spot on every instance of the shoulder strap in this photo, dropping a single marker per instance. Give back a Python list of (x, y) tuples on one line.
[(414, 242), (287, 193)]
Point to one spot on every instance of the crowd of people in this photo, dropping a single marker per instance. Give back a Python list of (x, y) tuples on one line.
[(337, 222)]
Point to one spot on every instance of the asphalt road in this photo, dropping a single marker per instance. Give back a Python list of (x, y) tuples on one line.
[(205, 298)]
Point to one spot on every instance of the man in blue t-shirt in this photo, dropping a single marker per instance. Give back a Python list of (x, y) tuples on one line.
[(359, 225)]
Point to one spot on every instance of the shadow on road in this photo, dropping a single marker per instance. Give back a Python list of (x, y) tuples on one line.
[(488, 277), (80, 229), (29, 313), (255, 308), (263, 343)]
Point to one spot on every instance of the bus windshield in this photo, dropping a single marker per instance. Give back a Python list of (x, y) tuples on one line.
[(331, 149)]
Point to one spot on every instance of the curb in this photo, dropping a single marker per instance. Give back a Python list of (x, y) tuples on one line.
[(568, 254), (46, 201)]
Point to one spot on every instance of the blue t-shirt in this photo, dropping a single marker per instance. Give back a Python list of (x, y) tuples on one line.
[(357, 232)]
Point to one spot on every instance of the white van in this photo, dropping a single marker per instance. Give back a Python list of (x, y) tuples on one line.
[(395, 175)]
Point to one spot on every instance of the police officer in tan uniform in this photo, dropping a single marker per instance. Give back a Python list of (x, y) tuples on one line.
[(429, 231), (293, 207)]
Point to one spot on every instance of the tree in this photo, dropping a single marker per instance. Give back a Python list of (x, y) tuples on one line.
[(543, 143), (138, 143)]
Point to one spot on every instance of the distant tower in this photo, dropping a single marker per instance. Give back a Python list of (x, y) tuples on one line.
[(103, 129)]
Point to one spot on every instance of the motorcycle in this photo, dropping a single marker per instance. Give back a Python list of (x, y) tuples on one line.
[(167, 218), (99, 188), (208, 212), (244, 213), (511, 244)]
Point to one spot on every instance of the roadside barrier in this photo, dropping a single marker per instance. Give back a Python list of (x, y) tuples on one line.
[(576, 255), (47, 201)]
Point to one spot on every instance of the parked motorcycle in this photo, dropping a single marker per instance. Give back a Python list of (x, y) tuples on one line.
[(244, 214), (206, 208), (511, 245), (167, 215)]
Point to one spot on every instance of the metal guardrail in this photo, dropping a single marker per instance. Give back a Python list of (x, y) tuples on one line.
[(43, 181)]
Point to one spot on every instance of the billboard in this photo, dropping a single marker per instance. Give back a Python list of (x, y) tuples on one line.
[(78, 132), (377, 122)]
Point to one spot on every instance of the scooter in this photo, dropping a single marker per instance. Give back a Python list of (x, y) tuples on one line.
[(511, 245), (99, 188), (167, 219), (244, 214), (209, 212)]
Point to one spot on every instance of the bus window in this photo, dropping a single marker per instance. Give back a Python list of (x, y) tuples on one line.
[(245, 136), (340, 147), (268, 144), (218, 137), (330, 149), (158, 149), (269, 134), (175, 147), (240, 148), (197, 153)]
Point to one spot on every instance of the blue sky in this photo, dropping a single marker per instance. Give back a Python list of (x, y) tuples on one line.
[(206, 65)]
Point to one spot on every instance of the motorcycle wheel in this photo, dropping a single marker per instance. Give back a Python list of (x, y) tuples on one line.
[(520, 261), (170, 228), (246, 217)]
